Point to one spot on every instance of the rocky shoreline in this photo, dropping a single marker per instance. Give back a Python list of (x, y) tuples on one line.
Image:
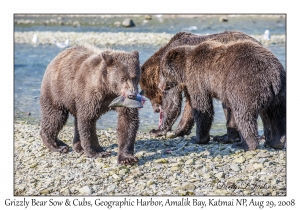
[(170, 166), (114, 39)]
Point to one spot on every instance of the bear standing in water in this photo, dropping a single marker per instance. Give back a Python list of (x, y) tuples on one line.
[(84, 80), (243, 75)]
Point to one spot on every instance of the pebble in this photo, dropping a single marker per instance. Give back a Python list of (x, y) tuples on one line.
[(240, 159), (111, 188), (86, 190), (235, 167), (161, 161), (220, 175), (38, 171), (190, 162), (249, 167), (258, 166), (263, 155)]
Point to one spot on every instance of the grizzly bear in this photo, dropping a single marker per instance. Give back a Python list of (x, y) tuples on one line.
[(83, 81), (170, 107), (243, 75)]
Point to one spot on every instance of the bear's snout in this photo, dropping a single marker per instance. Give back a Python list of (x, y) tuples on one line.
[(131, 95)]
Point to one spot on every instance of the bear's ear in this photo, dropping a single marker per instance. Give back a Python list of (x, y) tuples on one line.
[(135, 53), (107, 58)]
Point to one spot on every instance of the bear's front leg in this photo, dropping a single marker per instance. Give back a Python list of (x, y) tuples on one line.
[(187, 120), (128, 125), (88, 138), (171, 108)]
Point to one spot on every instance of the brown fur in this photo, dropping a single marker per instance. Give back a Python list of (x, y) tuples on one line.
[(243, 75), (171, 104), (83, 80)]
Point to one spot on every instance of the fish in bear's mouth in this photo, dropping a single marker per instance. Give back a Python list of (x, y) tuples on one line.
[(123, 101)]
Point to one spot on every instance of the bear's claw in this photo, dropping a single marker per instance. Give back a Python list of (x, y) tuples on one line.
[(157, 132), (129, 160)]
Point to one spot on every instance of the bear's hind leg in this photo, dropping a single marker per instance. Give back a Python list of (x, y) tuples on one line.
[(274, 121), (203, 113), (52, 122), (247, 124)]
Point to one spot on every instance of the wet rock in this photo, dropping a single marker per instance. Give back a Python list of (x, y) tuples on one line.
[(128, 23), (170, 134), (148, 17), (223, 19)]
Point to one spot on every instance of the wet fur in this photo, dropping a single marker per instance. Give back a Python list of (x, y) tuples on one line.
[(243, 75), (83, 80), (172, 100)]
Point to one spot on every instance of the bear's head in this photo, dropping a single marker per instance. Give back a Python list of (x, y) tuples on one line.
[(183, 60), (149, 81), (172, 68), (121, 72)]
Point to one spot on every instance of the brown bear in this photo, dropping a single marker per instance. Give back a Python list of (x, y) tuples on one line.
[(83, 81), (243, 75), (170, 107)]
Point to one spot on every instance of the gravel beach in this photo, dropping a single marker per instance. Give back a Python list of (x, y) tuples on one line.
[(114, 39), (169, 166)]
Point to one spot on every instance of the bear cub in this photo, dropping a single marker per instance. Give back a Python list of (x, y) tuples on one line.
[(243, 75), (83, 81)]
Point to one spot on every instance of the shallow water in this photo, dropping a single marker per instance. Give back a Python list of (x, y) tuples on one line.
[(205, 24), (30, 63)]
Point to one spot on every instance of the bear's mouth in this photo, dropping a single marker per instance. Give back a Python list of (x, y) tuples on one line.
[(123, 101)]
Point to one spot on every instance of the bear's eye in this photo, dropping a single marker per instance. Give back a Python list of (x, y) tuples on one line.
[(168, 87), (123, 79)]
